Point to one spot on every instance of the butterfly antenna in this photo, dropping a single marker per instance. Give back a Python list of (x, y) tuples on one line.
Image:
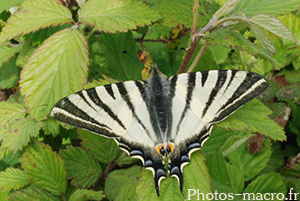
[(172, 56)]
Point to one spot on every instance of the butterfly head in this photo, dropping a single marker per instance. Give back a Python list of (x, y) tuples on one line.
[(154, 71)]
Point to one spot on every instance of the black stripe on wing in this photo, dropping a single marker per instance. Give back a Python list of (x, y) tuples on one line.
[(109, 90), (92, 93), (124, 93), (80, 119), (246, 90), (190, 89), (221, 80)]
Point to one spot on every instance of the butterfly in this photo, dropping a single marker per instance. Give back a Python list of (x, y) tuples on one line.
[(161, 115)]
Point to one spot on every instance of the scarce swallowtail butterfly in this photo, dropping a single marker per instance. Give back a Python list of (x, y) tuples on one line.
[(161, 115)]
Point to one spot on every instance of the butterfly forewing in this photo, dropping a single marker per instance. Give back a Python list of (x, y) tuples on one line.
[(110, 110), (214, 96)]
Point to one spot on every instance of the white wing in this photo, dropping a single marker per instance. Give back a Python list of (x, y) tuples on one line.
[(115, 110), (203, 98)]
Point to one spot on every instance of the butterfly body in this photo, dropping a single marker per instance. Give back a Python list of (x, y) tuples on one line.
[(158, 100), (162, 115)]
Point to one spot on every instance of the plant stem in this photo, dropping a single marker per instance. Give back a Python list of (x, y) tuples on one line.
[(192, 47), (226, 8), (63, 197), (195, 10), (198, 57)]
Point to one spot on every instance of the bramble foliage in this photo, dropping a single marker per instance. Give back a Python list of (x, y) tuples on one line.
[(50, 49)]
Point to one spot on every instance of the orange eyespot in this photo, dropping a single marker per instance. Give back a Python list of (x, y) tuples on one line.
[(171, 146), (159, 148)]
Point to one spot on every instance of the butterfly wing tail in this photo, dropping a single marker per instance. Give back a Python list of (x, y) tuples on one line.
[(149, 157), (181, 155)]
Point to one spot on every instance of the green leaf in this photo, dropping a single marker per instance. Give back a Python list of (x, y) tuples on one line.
[(254, 116), (103, 149), (51, 126), (250, 164), (262, 187), (80, 166), (4, 196), (7, 159), (56, 69), (215, 141), (219, 53), (277, 159), (173, 12), (225, 173), (233, 143), (263, 39), (206, 61), (19, 133), (271, 7), (280, 56), (25, 53), (292, 23), (38, 37), (121, 184), (118, 65), (236, 40), (226, 8), (287, 93), (45, 168), (291, 76), (273, 25), (294, 123), (85, 194), (13, 178), (227, 192), (6, 5), (116, 15), (169, 189), (195, 176), (7, 51), (33, 193), (35, 14), (9, 74), (9, 112)]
